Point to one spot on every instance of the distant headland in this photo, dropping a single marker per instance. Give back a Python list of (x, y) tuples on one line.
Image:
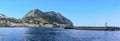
[(36, 18)]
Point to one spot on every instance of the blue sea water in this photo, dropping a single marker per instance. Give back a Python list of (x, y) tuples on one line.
[(56, 34)]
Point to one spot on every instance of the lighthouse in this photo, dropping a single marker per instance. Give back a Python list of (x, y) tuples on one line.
[(106, 25)]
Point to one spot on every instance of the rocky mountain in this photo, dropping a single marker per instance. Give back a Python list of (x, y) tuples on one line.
[(46, 17), (37, 18)]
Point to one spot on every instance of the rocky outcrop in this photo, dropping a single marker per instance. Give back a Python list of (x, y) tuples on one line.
[(49, 17), (3, 16)]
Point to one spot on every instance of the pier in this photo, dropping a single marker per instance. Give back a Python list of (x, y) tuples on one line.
[(97, 28)]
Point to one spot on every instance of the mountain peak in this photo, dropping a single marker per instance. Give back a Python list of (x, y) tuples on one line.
[(36, 10), (33, 13)]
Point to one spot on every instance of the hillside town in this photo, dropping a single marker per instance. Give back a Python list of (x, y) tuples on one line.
[(11, 24)]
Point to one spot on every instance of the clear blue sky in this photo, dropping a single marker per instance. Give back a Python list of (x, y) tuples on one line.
[(80, 12)]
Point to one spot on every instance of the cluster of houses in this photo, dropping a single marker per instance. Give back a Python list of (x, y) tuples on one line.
[(11, 24), (37, 25)]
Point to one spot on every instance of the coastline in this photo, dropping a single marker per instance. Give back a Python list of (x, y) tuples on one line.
[(110, 28)]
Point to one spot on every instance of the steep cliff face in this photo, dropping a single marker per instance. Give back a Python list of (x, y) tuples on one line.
[(49, 17)]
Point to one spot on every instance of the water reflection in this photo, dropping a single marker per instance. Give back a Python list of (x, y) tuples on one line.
[(42, 34)]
